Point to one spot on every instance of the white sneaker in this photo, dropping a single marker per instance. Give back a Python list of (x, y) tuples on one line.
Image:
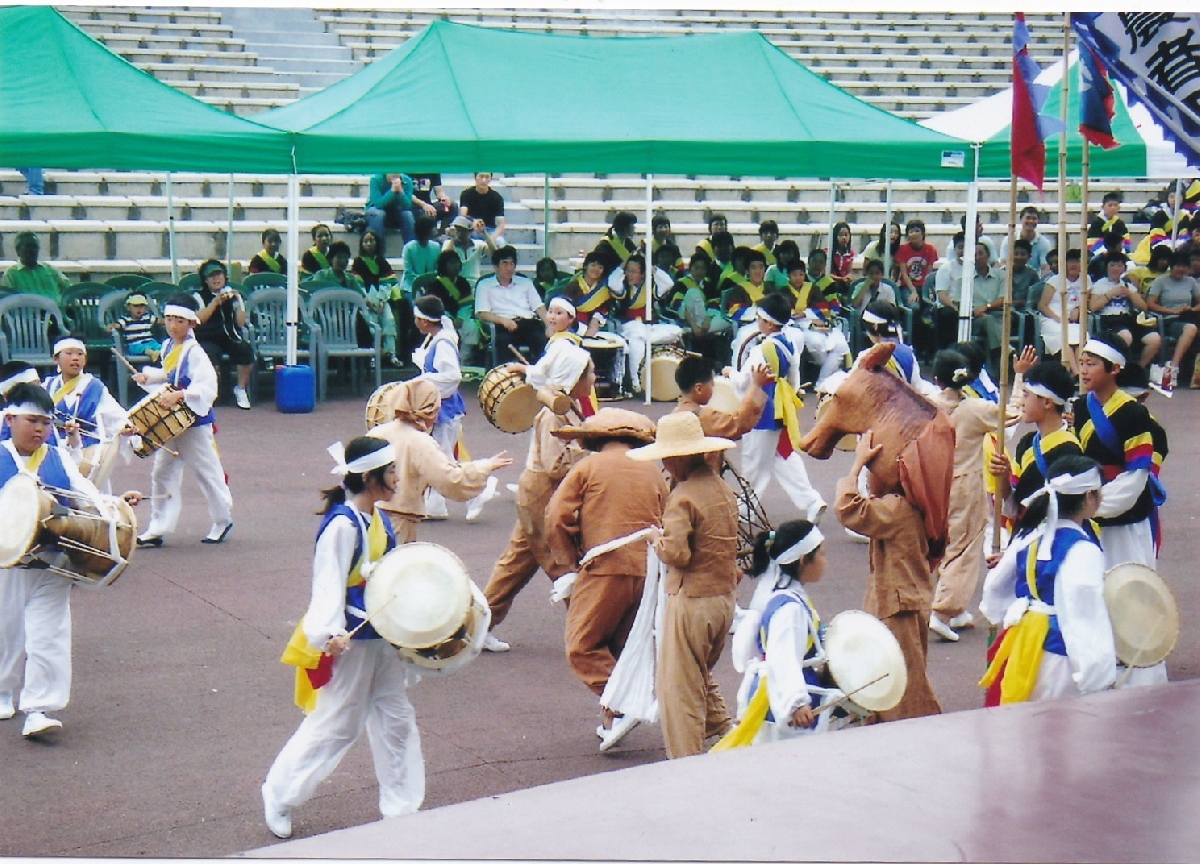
[(496, 646), (962, 621), (942, 629), (475, 505), (38, 725), (621, 727), (6, 705), (738, 614), (816, 512), (217, 533), (278, 817), (856, 537), (240, 397)]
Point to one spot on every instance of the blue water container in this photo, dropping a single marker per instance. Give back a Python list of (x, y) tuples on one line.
[(295, 389)]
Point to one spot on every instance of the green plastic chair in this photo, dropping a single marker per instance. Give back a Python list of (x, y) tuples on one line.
[(29, 324), (126, 281)]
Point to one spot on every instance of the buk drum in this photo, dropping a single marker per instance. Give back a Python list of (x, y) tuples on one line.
[(508, 401), (664, 360), (606, 350), (99, 461), (1143, 612), (752, 518), (420, 598), (865, 660), (724, 396), (90, 540), (379, 406), (156, 425)]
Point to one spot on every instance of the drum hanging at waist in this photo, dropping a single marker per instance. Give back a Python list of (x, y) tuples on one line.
[(508, 401), (155, 425)]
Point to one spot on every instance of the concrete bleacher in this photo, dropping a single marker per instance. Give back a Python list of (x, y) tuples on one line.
[(101, 222)]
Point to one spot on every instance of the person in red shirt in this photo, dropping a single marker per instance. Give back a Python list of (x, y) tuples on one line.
[(917, 259)]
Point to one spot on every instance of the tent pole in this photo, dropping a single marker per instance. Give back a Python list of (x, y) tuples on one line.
[(1175, 212), (648, 284), (887, 231), (966, 304), (171, 231), (546, 216), (829, 226), (1062, 183), (229, 231), (293, 269), (1006, 331), (1084, 289)]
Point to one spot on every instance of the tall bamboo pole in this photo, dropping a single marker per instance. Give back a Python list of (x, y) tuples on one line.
[(1062, 181), (1006, 331), (1085, 291)]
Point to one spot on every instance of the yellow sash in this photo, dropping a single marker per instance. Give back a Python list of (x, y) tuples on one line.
[(787, 401), (618, 246), (34, 462), (593, 298), (1021, 646), (321, 259), (303, 656), (744, 733), (1115, 401), (802, 295), (767, 253), (271, 263), (171, 361), (66, 389)]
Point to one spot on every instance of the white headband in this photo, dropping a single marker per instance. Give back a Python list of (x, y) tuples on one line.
[(1064, 484), (417, 313), (762, 314), (68, 342), (25, 376), (1108, 352), (180, 312), (1046, 393), (361, 465), (871, 318), (563, 304), (27, 409), (807, 543)]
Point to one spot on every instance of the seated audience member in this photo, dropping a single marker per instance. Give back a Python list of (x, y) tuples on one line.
[(917, 260), (717, 224), (987, 307), (420, 254), (786, 251), (768, 234), (458, 299), (28, 276), (891, 246), (743, 288), (379, 312), (316, 258), (944, 311), (222, 317), (721, 265), (137, 325), (872, 286), (1177, 294), (483, 204), (980, 237), (1159, 262), (510, 302), (819, 275), (589, 293), (469, 250), (269, 260), (1119, 305), (660, 227), (711, 331), (390, 205), (1039, 246), (1109, 221), (618, 244), (431, 200), (1050, 307), (547, 276), (374, 270), (1024, 298), (841, 259), (635, 302)]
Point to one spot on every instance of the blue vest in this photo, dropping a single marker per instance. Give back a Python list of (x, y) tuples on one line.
[(785, 348), (906, 358), (181, 377), (454, 406), (777, 602), (85, 409), (51, 471), (1046, 573), (356, 594)]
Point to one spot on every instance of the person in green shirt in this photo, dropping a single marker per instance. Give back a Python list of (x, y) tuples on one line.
[(30, 277)]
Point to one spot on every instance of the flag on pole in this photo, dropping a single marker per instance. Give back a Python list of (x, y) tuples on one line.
[(1030, 128), (1096, 106)]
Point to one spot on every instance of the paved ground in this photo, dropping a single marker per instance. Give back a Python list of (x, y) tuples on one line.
[(180, 704)]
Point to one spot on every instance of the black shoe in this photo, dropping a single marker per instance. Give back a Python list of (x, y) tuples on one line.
[(218, 538), (152, 542)]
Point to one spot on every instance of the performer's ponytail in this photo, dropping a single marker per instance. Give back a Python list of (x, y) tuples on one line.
[(354, 483), (769, 545)]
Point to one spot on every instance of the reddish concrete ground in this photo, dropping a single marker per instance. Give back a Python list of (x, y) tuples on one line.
[(180, 704)]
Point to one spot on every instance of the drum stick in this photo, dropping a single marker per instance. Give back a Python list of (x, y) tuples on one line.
[(367, 620), (162, 497), (518, 354), (846, 696), (133, 370)]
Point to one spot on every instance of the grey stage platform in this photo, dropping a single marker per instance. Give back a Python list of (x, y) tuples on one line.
[(1113, 777)]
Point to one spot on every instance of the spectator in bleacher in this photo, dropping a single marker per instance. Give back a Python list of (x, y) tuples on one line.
[(717, 224), (872, 287), (711, 331), (510, 302), (917, 260), (1108, 222), (547, 276), (390, 205), (1039, 245), (469, 250), (618, 243), (947, 297), (589, 293), (1144, 275), (450, 287), (371, 266), (27, 276), (379, 311), (1025, 293), (660, 227), (841, 259), (222, 324), (768, 236), (1176, 293), (1050, 306), (817, 274), (374, 270), (137, 324), (634, 301), (1119, 304), (482, 203), (720, 262), (980, 237), (743, 289), (420, 254), (987, 307), (316, 257), (786, 251), (269, 260), (1194, 256), (35, 183), (876, 249), (430, 199), (798, 287)]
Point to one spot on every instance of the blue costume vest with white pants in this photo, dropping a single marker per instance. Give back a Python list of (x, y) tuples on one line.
[(367, 689)]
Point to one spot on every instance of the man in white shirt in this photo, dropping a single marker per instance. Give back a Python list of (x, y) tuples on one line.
[(511, 302), (947, 284), (980, 237)]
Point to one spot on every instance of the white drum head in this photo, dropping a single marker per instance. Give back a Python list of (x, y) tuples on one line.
[(861, 649), (1144, 615), (18, 518), (724, 396), (431, 591)]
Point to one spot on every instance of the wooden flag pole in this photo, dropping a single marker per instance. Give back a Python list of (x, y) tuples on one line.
[(1085, 290), (1062, 183), (1005, 350)]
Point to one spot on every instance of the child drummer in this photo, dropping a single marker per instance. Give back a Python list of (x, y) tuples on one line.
[(83, 407), (188, 370)]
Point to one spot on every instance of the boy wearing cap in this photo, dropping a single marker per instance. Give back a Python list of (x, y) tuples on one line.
[(27, 276), (187, 368), (35, 603), (469, 250), (137, 326), (548, 462), (602, 500), (1118, 433), (83, 407), (698, 544), (222, 319)]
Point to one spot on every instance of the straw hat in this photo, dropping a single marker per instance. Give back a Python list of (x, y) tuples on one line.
[(1145, 618), (610, 423), (418, 595), (679, 434)]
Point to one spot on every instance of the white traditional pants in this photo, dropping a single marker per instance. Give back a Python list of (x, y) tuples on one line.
[(636, 335), (35, 620), (197, 448), (761, 462), (828, 348), (368, 690), (446, 436)]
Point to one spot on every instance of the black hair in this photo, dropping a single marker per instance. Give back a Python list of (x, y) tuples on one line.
[(658, 221), (504, 253), (716, 217), (785, 248), (768, 225), (721, 238), (959, 237), (754, 256), (267, 232), (769, 545), (318, 227), (974, 353), (1072, 254), (693, 370), (1132, 375), (951, 369), (816, 255), (35, 393), (1056, 378), (623, 220), (1111, 196), (884, 238), (1180, 258), (182, 298), (776, 306), (873, 264), (669, 249), (431, 305), (1030, 209), (1023, 244), (355, 483), (1068, 505), (637, 258), (423, 228), (886, 310), (338, 247), (11, 368), (797, 264), (542, 262), (378, 243), (915, 224), (743, 254), (444, 258), (1115, 257)]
